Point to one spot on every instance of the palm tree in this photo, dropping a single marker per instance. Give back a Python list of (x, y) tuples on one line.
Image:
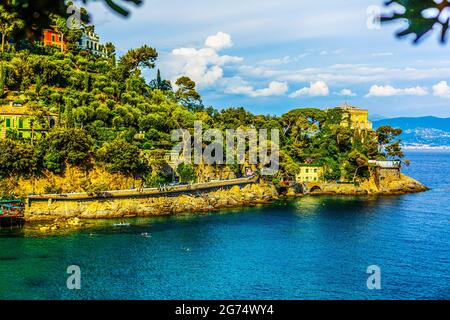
[(9, 22)]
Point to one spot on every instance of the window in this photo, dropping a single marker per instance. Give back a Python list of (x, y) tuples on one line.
[(307, 170), (53, 38), (315, 170), (20, 124), (59, 38), (8, 122)]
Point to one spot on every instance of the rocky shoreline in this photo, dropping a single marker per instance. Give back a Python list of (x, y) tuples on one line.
[(72, 214), (155, 206), (404, 185)]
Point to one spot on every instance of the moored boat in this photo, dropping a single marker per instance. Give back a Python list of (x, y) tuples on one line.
[(11, 213)]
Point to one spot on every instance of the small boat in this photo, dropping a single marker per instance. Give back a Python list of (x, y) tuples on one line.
[(11, 213), (121, 224)]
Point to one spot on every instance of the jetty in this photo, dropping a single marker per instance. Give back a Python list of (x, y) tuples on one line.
[(11, 213)]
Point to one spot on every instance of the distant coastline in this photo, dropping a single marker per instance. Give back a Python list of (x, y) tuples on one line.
[(424, 147)]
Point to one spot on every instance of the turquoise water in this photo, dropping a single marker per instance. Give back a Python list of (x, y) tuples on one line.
[(308, 248)]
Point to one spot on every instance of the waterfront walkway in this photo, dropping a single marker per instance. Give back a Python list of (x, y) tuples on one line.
[(166, 191)]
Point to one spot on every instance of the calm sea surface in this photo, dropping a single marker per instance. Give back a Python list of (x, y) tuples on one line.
[(306, 248)]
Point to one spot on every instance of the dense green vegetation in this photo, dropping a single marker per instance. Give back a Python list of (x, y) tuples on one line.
[(110, 114)]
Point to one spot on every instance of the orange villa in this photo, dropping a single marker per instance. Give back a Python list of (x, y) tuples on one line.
[(53, 38)]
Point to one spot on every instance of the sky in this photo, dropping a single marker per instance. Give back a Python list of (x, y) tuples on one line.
[(273, 56)]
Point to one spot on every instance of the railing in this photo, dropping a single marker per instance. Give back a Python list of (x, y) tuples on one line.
[(386, 163), (145, 192)]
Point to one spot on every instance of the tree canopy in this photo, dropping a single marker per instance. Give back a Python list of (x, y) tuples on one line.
[(110, 115), (422, 17)]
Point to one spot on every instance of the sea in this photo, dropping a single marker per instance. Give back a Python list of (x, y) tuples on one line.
[(313, 247)]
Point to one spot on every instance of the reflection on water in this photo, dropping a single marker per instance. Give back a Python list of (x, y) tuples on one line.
[(311, 205)]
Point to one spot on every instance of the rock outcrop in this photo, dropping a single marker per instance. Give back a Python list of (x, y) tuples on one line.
[(154, 206), (70, 211), (403, 185)]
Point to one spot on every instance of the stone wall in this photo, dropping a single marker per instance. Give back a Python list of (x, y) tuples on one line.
[(387, 174), (154, 206), (389, 186)]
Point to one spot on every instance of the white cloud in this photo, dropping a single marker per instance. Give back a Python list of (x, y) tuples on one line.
[(442, 89), (277, 61), (257, 72), (315, 89), (382, 54), (282, 61), (346, 93), (219, 41), (204, 65), (335, 52), (342, 74), (254, 22), (389, 91), (237, 85), (275, 88)]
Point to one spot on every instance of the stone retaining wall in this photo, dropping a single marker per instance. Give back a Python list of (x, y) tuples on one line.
[(151, 206)]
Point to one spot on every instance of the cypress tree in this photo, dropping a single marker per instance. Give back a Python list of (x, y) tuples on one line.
[(2, 79), (158, 79), (38, 84)]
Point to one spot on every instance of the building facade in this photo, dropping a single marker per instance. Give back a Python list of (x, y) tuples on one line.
[(309, 173), (355, 118), (386, 170), (91, 41), (17, 119), (52, 38)]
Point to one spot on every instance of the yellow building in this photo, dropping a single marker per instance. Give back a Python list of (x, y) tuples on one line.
[(355, 118), (309, 173), (17, 118)]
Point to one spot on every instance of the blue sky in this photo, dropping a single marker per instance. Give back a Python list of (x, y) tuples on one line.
[(273, 56)]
